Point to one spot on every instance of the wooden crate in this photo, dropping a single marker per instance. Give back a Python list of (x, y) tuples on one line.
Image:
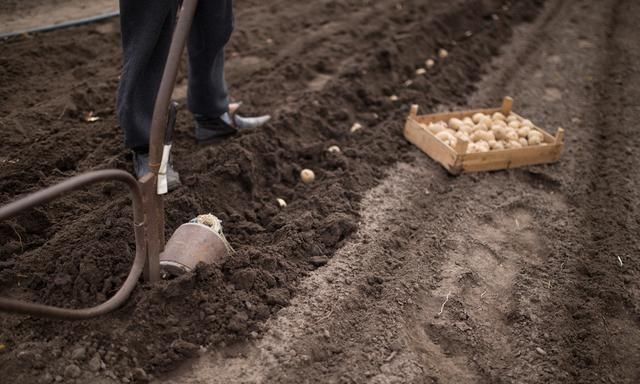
[(456, 160)]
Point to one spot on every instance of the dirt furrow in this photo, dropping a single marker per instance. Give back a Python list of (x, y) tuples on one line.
[(584, 313), (608, 316)]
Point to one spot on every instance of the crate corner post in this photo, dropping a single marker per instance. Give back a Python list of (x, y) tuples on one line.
[(559, 139), (507, 105), (413, 112)]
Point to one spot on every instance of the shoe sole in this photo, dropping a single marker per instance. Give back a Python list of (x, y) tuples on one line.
[(216, 139), (173, 186)]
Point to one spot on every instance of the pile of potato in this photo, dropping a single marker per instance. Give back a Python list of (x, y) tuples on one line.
[(487, 132)]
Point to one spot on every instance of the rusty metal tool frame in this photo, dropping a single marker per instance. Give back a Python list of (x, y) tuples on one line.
[(154, 203), (46, 195), (148, 206)]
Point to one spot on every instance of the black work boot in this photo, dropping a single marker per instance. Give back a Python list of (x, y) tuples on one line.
[(211, 130), (141, 168)]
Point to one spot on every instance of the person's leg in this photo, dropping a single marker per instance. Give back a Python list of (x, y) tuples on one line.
[(211, 30), (147, 27)]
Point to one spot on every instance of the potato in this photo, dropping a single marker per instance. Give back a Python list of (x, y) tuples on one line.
[(447, 137), (511, 134), (461, 135), (435, 128), (499, 131), (307, 176), (476, 136), (486, 121), (455, 123), (535, 137), (478, 116), (523, 131), (514, 124), (501, 123), (513, 144), (498, 116), (527, 123), (482, 136), (482, 146), (480, 127), (466, 128)]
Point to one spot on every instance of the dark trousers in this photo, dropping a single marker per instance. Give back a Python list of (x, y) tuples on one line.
[(147, 27)]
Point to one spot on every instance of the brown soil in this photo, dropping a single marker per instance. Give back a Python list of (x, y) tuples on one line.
[(528, 258)]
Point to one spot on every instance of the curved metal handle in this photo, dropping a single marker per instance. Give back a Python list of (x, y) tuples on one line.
[(53, 192)]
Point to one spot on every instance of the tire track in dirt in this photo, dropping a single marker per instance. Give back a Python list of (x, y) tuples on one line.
[(556, 10), (585, 317), (608, 316)]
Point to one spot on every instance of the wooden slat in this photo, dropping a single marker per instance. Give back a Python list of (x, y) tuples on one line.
[(426, 119), (510, 158), (154, 216), (430, 144)]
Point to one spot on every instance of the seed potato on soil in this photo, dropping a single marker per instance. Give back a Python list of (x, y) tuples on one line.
[(307, 176)]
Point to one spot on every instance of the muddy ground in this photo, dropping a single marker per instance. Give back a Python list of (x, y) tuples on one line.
[(538, 264)]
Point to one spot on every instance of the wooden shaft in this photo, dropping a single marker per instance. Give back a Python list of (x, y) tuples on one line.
[(161, 107), (154, 217)]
